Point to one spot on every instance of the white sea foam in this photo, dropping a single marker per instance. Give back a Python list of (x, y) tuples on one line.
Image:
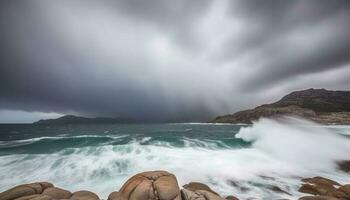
[(14, 143), (280, 151), (297, 141)]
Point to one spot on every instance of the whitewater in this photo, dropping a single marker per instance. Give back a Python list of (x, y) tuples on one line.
[(241, 160)]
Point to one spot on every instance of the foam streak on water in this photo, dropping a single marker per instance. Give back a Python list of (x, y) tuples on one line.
[(269, 153)]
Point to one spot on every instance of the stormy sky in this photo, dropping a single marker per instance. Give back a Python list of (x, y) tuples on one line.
[(159, 60)]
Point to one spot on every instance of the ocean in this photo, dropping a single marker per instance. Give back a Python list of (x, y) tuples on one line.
[(247, 161)]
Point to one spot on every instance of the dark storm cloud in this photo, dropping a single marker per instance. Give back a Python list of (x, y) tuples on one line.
[(166, 60), (267, 20), (292, 38), (41, 71)]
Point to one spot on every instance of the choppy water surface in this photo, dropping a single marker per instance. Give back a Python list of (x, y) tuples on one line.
[(246, 161)]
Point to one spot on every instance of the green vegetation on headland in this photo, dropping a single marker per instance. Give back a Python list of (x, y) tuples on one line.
[(319, 105)]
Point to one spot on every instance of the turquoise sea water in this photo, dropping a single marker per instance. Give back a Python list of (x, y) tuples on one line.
[(43, 139), (246, 161)]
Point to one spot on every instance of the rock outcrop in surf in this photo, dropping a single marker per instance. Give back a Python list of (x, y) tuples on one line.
[(324, 188), (319, 105)]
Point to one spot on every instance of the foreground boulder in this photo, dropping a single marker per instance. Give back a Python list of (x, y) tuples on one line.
[(318, 186), (324, 189), (345, 189), (84, 195), (318, 198), (194, 186), (32, 189), (57, 193), (199, 195), (44, 191), (162, 185), (37, 197), (320, 180), (200, 191), (152, 185)]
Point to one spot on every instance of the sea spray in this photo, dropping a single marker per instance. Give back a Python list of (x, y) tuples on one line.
[(298, 142)]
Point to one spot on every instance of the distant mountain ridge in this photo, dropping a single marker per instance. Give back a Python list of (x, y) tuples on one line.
[(71, 119), (319, 105)]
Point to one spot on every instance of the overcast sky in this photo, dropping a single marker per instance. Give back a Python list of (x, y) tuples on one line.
[(159, 60)]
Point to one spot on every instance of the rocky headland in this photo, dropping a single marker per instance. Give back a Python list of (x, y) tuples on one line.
[(318, 105), (71, 119), (162, 185)]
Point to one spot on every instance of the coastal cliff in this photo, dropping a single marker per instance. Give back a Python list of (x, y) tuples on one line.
[(319, 105)]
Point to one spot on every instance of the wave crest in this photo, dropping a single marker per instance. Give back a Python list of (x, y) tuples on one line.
[(297, 141)]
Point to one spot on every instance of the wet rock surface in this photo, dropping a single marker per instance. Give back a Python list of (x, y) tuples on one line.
[(324, 189), (194, 186), (162, 185), (44, 191), (84, 195), (200, 191), (317, 198), (57, 193)]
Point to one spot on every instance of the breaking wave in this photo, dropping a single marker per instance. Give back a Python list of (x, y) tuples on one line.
[(246, 163)]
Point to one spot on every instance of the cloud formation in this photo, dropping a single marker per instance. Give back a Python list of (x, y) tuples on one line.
[(168, 60)]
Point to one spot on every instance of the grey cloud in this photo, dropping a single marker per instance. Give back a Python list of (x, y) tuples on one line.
[(151, 60), (274, 22), (321, 47)]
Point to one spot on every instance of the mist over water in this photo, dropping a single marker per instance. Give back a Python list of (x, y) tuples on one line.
[(246, 161)]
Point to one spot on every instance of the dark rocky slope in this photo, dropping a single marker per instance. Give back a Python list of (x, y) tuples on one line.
[(319, 105), (71, 119)]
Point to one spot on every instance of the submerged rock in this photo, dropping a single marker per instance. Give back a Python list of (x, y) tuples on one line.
[(157, 185), (235, 184), (277, 189), (344, 165)]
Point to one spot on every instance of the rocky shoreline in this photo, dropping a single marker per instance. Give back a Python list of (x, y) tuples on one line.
[(162, 185), (318, 105)]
